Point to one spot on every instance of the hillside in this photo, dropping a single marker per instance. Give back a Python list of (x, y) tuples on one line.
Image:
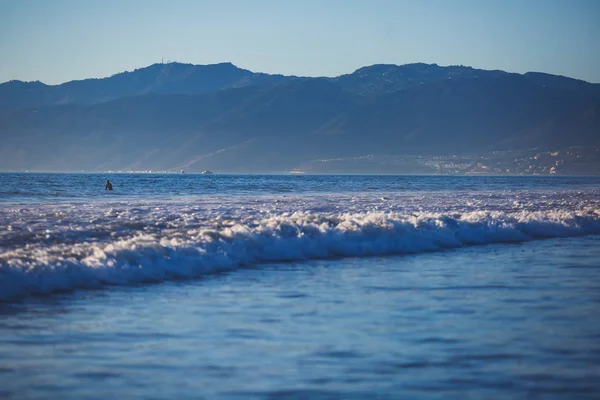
[(227, 119)]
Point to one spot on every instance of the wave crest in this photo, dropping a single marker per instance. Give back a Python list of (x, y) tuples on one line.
[(184, 252)]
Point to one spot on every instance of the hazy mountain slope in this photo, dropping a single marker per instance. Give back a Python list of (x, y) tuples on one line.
[(263, 123), (172, 78)]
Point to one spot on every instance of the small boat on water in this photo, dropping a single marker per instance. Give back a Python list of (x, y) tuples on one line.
[(207, 172)]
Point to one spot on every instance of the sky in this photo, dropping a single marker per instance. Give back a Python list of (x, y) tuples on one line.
[(55, 41)]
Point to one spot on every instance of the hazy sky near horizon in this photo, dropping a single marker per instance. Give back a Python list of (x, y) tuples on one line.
[(61, 40)]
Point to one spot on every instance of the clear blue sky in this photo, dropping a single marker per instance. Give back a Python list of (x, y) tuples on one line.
[(59, 40)]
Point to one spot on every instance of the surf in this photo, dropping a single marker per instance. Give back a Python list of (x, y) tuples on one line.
[(96, 255)]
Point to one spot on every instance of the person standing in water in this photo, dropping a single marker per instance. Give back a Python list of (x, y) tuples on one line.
[(108, 185)]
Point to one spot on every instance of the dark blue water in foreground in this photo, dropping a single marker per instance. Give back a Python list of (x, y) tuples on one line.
[(299, 287)]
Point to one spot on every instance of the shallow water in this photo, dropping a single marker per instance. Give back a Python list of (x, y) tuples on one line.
[(442, 287), (489, 322)]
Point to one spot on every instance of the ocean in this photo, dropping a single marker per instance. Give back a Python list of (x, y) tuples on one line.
[(299, 287)]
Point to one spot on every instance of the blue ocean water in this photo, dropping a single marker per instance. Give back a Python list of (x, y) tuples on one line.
[(246, 286)]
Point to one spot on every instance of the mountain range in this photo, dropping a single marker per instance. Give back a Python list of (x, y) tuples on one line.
[(167, 117)]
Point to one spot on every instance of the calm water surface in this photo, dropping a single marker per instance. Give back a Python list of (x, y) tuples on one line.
[(73, 186)]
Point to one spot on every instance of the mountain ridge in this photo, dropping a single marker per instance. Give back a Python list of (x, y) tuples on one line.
[(224, 118), (180, 78)]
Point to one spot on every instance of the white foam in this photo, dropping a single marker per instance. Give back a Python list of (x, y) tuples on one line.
[(66, 246)]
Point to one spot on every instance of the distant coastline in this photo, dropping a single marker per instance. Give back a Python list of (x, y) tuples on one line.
[(380, 119)]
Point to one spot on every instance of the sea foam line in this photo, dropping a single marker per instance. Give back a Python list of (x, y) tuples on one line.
[(191, 252)]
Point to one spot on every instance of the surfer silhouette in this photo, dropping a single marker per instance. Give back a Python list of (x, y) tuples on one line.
[(108, 185)]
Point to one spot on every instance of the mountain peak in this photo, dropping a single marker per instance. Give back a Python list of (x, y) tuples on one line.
[(380, 68)]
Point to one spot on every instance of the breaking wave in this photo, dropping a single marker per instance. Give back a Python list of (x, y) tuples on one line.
[(42, 254)]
